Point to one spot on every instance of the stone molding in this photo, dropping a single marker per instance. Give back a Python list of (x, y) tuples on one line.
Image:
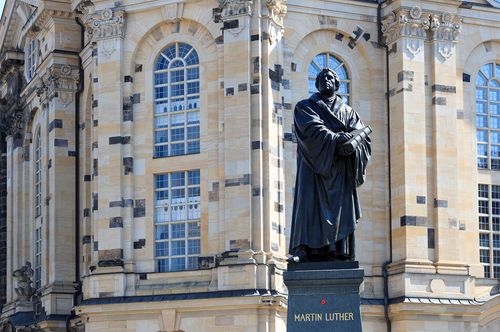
[(234, 8), (277, 10), (59, 81), (106, 24), (38, 22), (414, 26)]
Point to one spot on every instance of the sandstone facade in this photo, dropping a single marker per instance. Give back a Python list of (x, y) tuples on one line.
[(150, 160)]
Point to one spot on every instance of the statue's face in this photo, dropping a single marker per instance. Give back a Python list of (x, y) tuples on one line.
[(326, 83)]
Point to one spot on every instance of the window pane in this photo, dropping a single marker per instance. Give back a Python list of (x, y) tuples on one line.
[(193, 177), (481, 107), (193, 102), (495, 151), (193, 73), (170, 52), (192, 58), (162, 265), (193, 117), (481, 79), (487, 69), (494, 137), (161, 151), (177, 149), (178, 248), (161, 249), (482, 135), (161, 122), (193, 87), (481, 121), (161, 136), (193, 147), (161, 92), (178, 179), (487, 271), (177, 104), (177, 90), (484, 223), (484, 240), (495, 122), (193, 229), (481, 93), (177, 134), (161, 107), (495, 191), (192, 263), (494, 108), (495, 222), (484, 255), (177, 75), (483, 207), (482, 150), (495, 163), (495, 95), (177, 64), (482, 163), (344, 88), (193, 132), (193, 247), (161, 78), (495, 207), (483, 190), (320, 59), (178, 120), (496, 241), (162, 232), (494, 84), (178, 231), (178, 264), (184, 49)]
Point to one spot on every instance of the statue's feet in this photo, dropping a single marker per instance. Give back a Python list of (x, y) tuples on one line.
[(299, 256)]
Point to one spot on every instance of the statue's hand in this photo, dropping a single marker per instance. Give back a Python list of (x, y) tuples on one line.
[(344, 137)]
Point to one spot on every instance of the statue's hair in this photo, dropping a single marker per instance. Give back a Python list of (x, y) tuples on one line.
[(335, 76)]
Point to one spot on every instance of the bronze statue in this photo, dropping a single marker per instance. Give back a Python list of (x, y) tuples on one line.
[(332, 154)]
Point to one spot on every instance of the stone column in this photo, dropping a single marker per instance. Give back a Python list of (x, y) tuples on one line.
[(405, 31), (444, 30), (112, 206), (236, 17)]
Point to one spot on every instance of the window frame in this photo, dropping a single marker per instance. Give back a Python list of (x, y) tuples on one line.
[(176, 101), (168, 229), (489, 238), (485, 117)]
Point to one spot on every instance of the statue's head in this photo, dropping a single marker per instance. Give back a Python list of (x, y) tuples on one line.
[(327, 81)]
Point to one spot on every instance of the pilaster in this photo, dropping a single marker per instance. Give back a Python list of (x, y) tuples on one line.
[(405, 32), (112, 139)]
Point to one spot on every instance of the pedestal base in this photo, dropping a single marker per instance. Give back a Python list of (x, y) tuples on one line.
[(323, 296)]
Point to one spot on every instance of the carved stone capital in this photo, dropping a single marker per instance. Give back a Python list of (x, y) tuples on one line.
[(404, 22), (59, 81), (445, 27), (106, 24), (234, 8), (277, 10)]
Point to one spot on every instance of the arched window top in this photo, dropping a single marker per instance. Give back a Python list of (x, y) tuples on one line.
[(177, 55), (177, 101), (488, 116), (328, 60)]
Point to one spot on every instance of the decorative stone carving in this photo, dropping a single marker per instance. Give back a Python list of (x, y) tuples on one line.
[(13, 123), (233, 8), (59, 81), (410, 24), (106, 24), (445, 29), (25, 289), (277, 10)]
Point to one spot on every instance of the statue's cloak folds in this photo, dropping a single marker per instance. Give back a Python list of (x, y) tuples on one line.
[(326, 207)]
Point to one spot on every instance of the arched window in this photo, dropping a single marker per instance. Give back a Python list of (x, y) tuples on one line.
[(30, 58), (37, 179), (488, 116), (177, 101), (328, 60), (38, 173)]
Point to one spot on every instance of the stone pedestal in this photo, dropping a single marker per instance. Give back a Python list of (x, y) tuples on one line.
[(324, 296)]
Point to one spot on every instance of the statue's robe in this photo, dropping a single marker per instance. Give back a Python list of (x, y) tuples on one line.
[(326, 206)]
